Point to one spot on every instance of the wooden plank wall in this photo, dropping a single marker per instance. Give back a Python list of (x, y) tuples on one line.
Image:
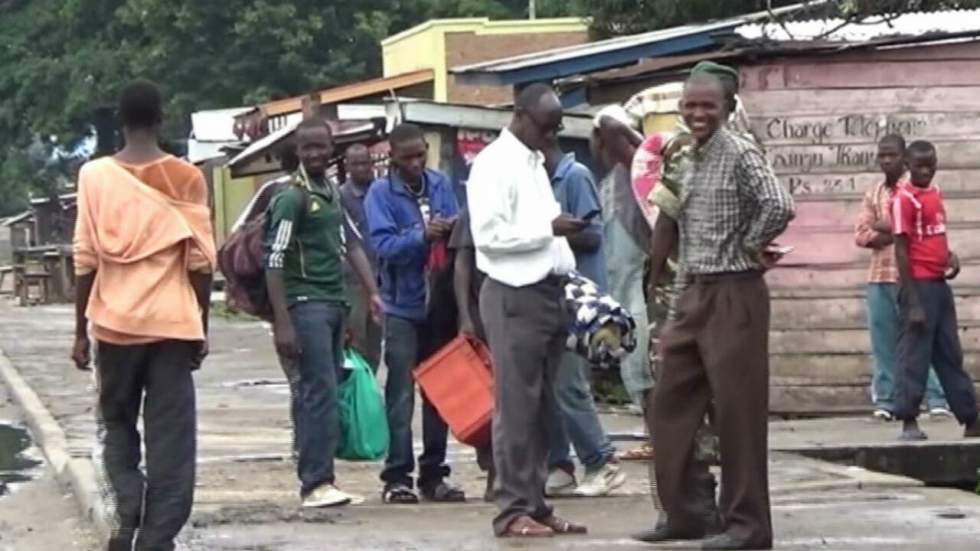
[(819, 119)]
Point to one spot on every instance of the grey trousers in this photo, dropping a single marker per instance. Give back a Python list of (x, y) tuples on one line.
[(151, 508), (526, 329)]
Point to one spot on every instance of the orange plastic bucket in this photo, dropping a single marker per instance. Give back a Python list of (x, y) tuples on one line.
[(458, 381)]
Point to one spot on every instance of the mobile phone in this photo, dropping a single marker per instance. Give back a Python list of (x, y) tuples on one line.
[(782, 251), (592, 214)]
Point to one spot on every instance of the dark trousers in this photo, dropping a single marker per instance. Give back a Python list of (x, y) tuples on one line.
[(157, 377), (718, 349), (936, 342), (406, 344), (526, 329), (313, 381)]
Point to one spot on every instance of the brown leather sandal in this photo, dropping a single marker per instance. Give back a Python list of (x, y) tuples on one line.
[(643, 453), (563, 527), (527, 527)]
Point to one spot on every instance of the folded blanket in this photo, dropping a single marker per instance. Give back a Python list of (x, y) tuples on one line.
[(602, 331)]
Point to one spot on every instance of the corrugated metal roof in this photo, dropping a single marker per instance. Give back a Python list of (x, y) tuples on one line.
[(342, 131), (627, 44), (839, 30), (482, 118), (350, 91)]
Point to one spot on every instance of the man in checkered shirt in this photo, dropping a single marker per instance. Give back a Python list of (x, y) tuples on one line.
[(732, 207)]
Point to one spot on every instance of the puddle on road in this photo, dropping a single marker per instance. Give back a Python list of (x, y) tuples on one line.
[(15, 466)]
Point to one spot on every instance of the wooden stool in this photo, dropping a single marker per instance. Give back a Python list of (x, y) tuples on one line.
[(26, 280)]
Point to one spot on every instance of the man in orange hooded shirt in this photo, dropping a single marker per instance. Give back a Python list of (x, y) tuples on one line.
[(144, 255)]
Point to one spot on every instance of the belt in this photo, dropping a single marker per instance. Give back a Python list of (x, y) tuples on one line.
[(708, 279)]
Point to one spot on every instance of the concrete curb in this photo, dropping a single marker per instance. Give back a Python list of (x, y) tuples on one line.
[(77, 473)]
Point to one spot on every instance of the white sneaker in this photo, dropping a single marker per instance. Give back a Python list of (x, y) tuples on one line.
[(560, 483), (883, 414), (941, 412), (327, 496), (602, 482)]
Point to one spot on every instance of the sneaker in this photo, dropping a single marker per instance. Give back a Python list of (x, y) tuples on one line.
[(883, 414), (602, 482), (327, 496), (560, 483), (940, 412)]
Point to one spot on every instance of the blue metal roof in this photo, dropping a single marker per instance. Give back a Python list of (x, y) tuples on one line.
[(607, 54)]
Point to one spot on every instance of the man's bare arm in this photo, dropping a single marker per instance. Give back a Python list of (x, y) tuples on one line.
[(81, 353), (284, 332), (462, 280), (362, 267), (585, 241), (913, 304), (663, 243)]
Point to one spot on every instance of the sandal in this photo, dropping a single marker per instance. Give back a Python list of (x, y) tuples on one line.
[(643, 453), (399, 494), (562, 527), (443, 492), (527, 527)]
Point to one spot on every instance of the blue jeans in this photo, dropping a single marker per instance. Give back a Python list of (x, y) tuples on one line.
[(883, 324), (313, 389), (576, 419), (406, 343)]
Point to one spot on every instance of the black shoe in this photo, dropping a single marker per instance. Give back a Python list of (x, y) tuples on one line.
[(443, 492), (727, 541), (662, 533), (489, 495)]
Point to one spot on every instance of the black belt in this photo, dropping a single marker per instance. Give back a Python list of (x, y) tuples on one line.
[(707, 279)]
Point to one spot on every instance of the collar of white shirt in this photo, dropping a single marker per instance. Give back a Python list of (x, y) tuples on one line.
[(517, 148)]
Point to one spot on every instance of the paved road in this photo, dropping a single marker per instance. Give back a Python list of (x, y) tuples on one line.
[(246, 495)]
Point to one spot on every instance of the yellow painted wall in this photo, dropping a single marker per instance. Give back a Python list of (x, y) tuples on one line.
[(231, 196), (424, 46)]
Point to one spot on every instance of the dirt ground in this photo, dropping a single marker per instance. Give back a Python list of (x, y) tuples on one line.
[(39, 515)]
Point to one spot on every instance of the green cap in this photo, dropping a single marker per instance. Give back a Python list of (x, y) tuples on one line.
[(716, 69)]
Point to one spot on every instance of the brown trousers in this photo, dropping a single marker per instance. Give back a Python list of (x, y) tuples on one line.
[(717, 349)]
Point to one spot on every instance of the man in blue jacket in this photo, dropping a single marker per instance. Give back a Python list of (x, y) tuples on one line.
[(410, 214)]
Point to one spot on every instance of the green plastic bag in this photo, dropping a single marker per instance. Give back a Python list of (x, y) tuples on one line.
[(363, 423)]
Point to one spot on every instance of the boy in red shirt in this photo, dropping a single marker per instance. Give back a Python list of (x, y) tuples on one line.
[(928, 312)]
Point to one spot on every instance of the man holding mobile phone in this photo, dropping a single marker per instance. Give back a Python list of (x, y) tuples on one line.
[(411, 213), (576, 421)]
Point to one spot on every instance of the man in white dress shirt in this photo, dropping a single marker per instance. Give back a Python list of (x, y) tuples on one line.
[(519, 234)]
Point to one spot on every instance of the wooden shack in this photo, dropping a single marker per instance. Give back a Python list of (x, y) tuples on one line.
[(820, 118)]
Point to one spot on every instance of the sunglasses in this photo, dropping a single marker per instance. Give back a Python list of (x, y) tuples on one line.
[(545, 127)]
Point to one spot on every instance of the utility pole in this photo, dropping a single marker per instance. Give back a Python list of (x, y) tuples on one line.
[(531, 9)]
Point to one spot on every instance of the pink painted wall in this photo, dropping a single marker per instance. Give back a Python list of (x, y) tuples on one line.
[(819, 119)]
